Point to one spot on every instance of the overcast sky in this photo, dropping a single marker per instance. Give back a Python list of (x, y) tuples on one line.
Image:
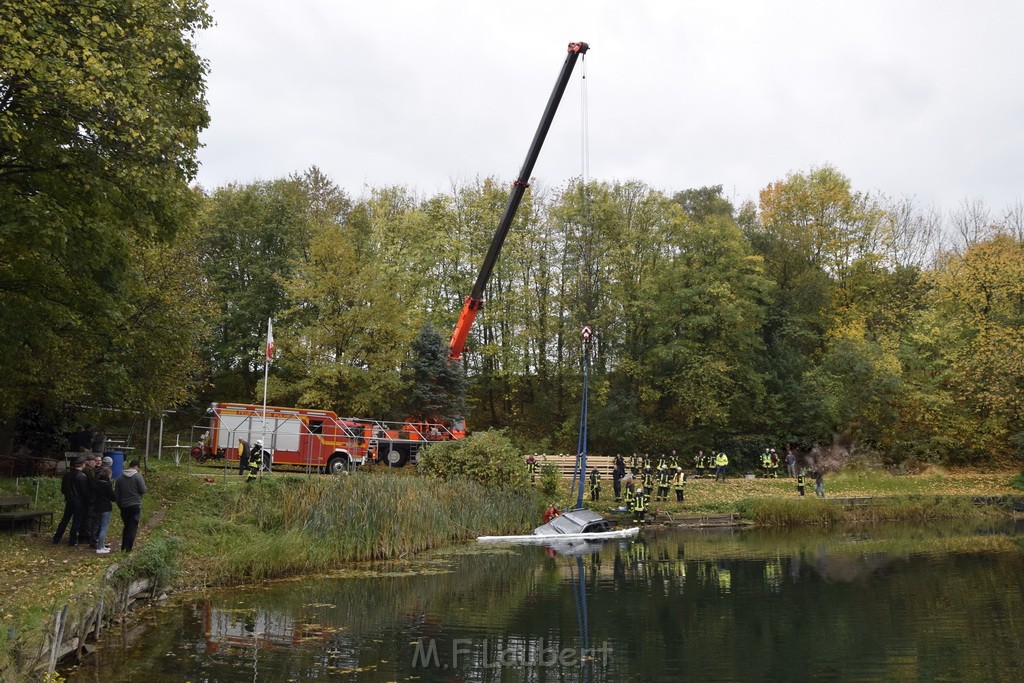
[(920, 98)]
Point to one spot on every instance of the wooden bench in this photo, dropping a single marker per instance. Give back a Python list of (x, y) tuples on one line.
[(10, 512)]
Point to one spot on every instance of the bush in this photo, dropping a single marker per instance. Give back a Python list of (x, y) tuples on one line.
[(550, 478), (157, 558), (486, 457)]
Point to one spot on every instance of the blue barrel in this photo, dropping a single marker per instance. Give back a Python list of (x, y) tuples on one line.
[(118, 465)]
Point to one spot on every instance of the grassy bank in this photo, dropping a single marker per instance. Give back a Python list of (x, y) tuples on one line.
[(812, 511), (298, 525), (737, 494)]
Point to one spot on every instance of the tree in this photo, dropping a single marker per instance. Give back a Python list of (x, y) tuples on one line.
[(101, 106), (252, 238), (436, 386)]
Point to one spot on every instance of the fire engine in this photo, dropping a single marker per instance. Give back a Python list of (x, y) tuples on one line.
[(317, 439)]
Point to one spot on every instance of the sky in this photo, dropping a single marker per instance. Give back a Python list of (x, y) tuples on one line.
[(918, 99)]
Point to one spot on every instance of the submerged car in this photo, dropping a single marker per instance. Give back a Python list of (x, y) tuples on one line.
[(580, 521)]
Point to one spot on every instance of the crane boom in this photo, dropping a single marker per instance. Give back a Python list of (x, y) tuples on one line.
[(474, 302)]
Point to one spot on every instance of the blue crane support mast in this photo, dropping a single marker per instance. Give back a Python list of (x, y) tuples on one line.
[(474, 302)]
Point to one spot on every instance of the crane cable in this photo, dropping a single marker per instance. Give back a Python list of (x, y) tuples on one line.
[(579, 476), (584, 122)]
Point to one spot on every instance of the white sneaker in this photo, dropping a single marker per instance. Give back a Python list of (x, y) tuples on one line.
[(103, 551)]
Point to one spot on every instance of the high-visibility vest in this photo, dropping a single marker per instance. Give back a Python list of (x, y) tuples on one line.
[(722, 460), (679, 481), (640, 503)]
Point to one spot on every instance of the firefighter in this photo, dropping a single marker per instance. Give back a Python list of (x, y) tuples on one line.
[(531, 467), (765, 463), (773, 460), (664, 479), (551, 513), (679, 484), (721, 462), (648, 476), (698, 463), (630, 491), (640, 501), (800, 483), (595, 485), (255, 459), (634, 464)]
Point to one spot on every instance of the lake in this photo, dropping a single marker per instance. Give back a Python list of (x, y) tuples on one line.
[(865, 603)]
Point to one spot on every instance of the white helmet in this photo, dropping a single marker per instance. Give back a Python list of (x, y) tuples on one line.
[(259, 442)]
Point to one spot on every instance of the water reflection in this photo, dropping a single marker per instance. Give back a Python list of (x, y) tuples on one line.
[(879, 603)]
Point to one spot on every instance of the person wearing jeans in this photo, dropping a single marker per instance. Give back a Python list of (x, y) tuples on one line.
[(128, 492), (103, 505)]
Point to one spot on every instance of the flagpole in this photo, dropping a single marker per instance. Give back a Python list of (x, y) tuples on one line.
[(266, 377)]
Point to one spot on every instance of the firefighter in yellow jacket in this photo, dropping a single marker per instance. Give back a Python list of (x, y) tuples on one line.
[(679, 484), (640, 501), (721, 463)]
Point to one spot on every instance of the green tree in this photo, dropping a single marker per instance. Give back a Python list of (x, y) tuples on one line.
[(436, 386), (101, 106), (252, 238)]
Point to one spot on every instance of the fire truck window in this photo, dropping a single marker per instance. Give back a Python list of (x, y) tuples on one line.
[(316, 426)]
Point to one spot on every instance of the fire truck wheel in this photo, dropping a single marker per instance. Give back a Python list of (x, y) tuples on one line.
[(338, 464), (396, 458)]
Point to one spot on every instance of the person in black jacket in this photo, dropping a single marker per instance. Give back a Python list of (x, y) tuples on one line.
[(102, 505), (75, 488), (91, 524), (128, 494), (618, 472)]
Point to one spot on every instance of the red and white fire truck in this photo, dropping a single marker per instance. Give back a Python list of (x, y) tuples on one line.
[(317, 438)]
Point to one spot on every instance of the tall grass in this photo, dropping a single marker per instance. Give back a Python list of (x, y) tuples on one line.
[(808, 511), (789, 512), (288, 525)]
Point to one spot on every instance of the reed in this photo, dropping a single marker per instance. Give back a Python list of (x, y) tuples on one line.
[(789, 512), (288, 525)]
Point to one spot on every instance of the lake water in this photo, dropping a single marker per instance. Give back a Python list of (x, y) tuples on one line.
[(883, 603)]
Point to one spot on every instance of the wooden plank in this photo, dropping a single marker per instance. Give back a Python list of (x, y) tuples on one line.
[(15, 501)]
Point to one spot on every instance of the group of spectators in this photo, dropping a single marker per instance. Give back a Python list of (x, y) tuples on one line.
[(83, 440), (89, 496)]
